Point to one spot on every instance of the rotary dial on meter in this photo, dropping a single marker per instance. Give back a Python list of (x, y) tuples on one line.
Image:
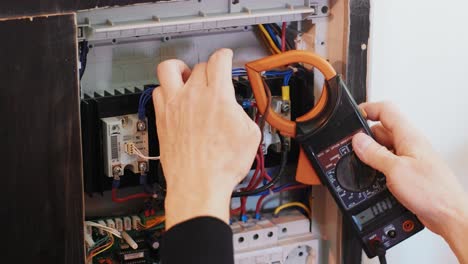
[(353, 175)]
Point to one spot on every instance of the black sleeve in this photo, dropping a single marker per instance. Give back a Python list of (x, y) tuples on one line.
[(200, 240)]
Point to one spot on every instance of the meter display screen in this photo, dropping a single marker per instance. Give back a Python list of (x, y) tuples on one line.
[(366, 216)]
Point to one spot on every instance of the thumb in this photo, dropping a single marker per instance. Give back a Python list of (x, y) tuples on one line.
[(373, 154)]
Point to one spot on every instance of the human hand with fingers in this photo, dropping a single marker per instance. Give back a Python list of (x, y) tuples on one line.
[(416, 175), (207, 141)]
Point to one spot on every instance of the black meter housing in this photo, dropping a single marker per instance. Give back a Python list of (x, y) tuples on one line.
[(360, 191)]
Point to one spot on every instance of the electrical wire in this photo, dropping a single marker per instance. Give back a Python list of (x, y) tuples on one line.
[(83, 56), (284, 188), (382, 259), (283, 37), (381, 252), (284, 152), (116, 199), (153, 223), (137, 152), (264, 40), (111, 230), (98, 250), (269, 39), (287, 205), (275, 179), (145, 97), (273, 36), (132, 149)]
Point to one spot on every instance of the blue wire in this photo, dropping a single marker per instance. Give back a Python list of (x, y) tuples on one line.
[(287, 78), (145, 97), (278, 73), (273, 35), (277, 189)]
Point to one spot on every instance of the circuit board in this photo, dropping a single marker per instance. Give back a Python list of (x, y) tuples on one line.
[(146, 238)]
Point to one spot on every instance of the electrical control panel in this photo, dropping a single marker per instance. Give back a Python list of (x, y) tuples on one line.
[(119, 49), (120, 135)]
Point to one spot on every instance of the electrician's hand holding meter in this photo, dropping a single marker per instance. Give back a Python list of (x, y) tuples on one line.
[(325, 135), (334, 137)]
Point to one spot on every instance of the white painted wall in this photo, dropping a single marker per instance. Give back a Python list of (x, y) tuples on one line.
[(419, 60)]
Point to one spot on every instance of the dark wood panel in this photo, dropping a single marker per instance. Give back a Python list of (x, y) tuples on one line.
[(359, 27), (15, 8), (41, 154)]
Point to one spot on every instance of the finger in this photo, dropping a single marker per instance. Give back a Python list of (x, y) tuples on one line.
[(383, 136), (374, 154), (172, 75), (198, 75), (391, 118), (219, 71)]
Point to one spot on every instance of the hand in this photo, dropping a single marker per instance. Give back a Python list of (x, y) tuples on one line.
[(416, 175), (207, 141)]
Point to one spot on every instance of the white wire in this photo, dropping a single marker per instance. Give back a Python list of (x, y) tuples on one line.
[(137, 152), (111, 230)]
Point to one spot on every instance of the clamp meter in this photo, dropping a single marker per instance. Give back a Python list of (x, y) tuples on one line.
[(325, 135)]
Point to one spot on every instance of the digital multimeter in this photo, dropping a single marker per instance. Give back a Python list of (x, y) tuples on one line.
[(360, 191), (325, 136)]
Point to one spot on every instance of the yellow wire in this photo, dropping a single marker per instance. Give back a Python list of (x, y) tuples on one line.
[(270, 41), (301, 205), (89, 258), (106, 248)]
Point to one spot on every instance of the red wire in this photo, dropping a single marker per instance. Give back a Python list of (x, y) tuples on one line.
[(236, 211), (128, 198), (243, 203), (283, 37), (259, 203), (257, 171)]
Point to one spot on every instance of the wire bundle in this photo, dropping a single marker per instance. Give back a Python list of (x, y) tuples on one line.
[(287, 74), (275, 37), (144, 99), (104, 243), (135, 151), (111, 230), (116, 199), (239, 72), (156, 223), (101, 246), (284, 188)]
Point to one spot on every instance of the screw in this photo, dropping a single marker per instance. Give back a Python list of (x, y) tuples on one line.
[(141, 125), (116, 170), (124, 121), (285, 107), (143, 166)]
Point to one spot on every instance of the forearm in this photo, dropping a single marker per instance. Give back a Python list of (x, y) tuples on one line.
[(201, 240), (457, 232)]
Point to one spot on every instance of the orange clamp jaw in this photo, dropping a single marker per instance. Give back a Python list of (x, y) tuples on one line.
[(305, 172)]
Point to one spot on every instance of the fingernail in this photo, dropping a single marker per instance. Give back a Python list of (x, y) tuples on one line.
[(361, 141)]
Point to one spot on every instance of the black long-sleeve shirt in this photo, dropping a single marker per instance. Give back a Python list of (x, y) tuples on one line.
[(204, 240)]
